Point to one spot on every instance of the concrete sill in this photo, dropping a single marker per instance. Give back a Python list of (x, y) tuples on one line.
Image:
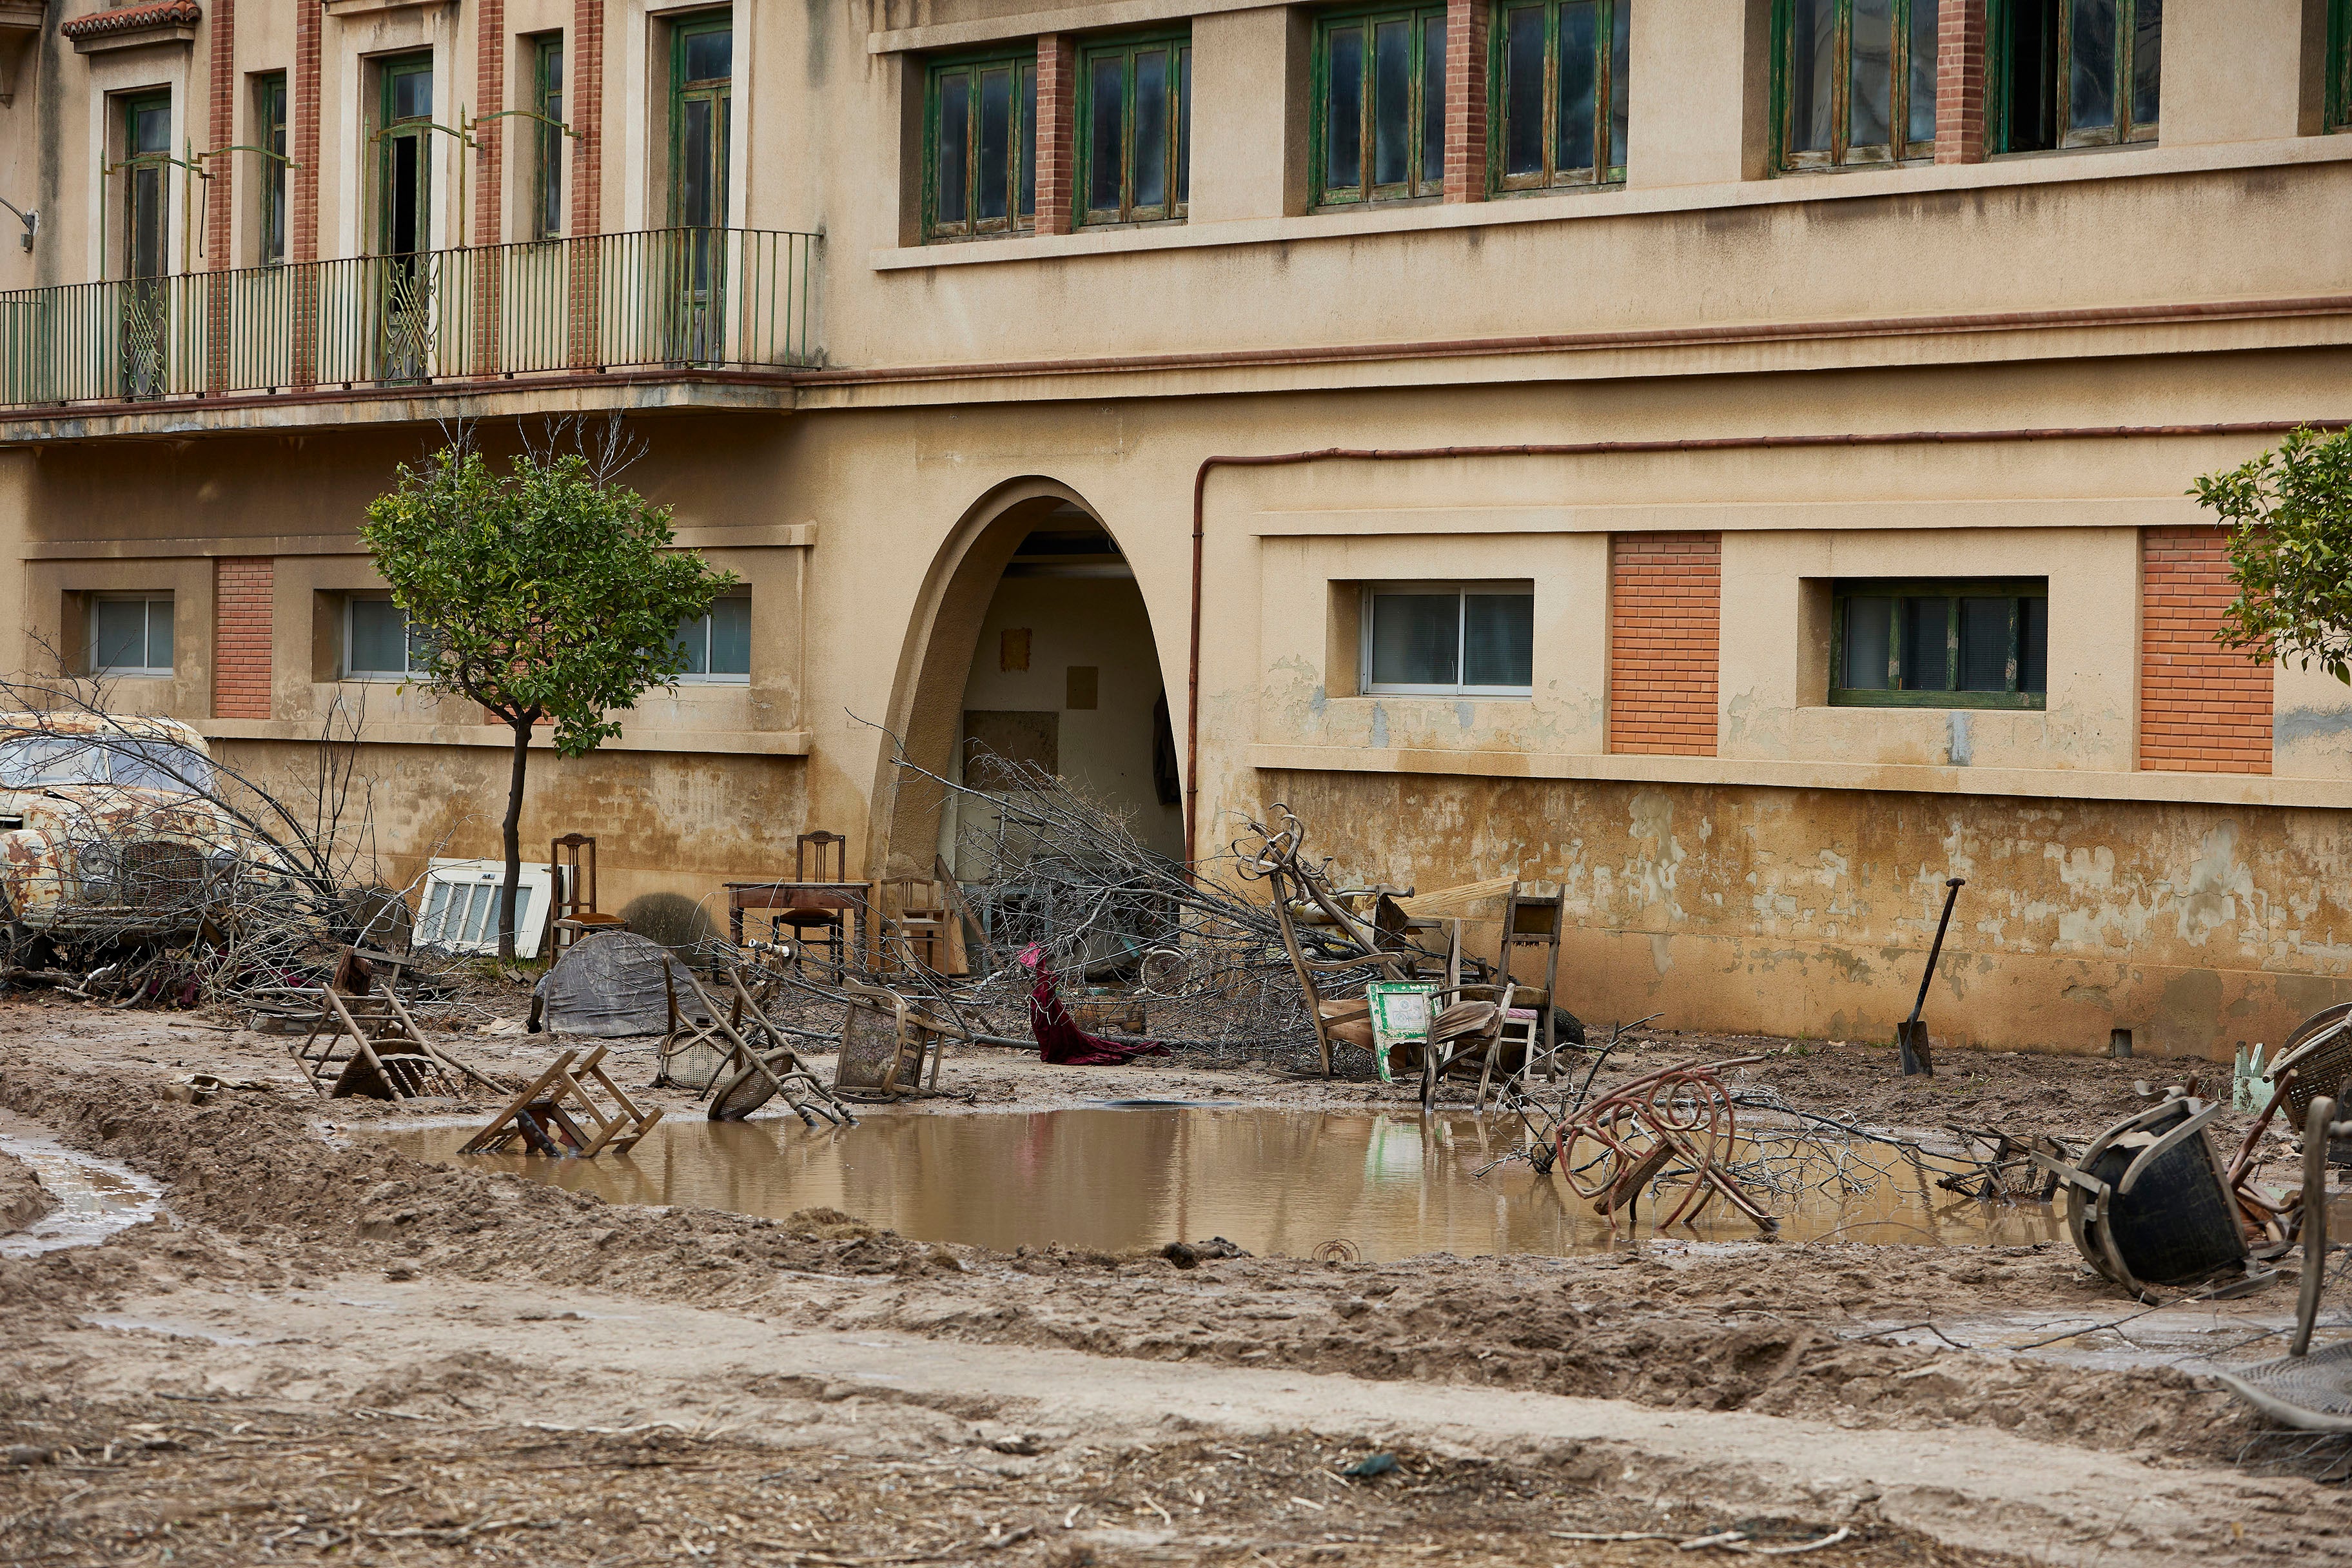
[(712, 742), (322, 407), (2050, 783)]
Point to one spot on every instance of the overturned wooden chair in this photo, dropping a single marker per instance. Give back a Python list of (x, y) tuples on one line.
[(365, 1042), (755, 1060), (885, 1040), (558, 1117)]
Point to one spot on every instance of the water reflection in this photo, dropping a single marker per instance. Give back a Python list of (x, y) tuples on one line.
[(1274, 1180)]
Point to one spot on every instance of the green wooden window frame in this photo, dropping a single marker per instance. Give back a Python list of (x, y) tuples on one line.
[(963, 149), (1938, 635), (1853, 82), (1120, 176), (547, 140), (270, 132), (1559, 89), (714, 90), (1378, 105), (2339, 66), (405, 155), (146, 185), (2035, 98)]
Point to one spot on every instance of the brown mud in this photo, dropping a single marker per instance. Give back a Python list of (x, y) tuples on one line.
[(220, 1355), (23, 1199)]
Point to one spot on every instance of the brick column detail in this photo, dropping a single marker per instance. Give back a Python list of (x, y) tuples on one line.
[(220, 26), (302, 201), (1665, 607), (1057, 130), (490, 92), (243, 589), (584, 106), (1465, 99), (1960, 28), (2203, 708)]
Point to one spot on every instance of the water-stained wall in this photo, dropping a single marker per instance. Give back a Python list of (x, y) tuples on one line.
[(1808, 911)]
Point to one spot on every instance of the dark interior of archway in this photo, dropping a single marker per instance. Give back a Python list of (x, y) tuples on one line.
[(1065, 675)]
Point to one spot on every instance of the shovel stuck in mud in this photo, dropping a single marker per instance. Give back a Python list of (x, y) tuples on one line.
[(1911, 1035)]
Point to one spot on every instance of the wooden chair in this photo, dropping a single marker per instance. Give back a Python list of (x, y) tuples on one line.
[(559, 1116), (918, 926), (829, 923), (572, 913), (1529, 921)]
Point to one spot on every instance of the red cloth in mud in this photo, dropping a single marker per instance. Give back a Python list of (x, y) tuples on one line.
[(1059, 1039)]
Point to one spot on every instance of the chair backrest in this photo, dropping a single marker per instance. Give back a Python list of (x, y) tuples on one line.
[(576, 892), (824, 846)]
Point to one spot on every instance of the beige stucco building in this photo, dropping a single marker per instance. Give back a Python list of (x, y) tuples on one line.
[(1734, 455)]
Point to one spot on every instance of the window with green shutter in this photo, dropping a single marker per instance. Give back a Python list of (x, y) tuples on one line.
[(1940, 643), (1135, 129), (1380, 105), (1561, 86), (2339, 65), (2073, 73), (1853, 82), (980, 175)]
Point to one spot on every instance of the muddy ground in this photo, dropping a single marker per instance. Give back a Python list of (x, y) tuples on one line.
[(331, 1352)]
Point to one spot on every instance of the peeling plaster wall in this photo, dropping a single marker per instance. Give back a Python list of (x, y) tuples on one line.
[(1810, 911)]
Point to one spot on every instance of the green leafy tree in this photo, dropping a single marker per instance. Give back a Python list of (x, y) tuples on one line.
[(549, 592), (2289, 514)]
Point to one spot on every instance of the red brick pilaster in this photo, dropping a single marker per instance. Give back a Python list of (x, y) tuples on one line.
[(1960, 82), (583, 104), (220, 26), (1465, 99), (490, 92), (243, 589), (1058, 129), (2203, 708), (1665, 612), (302, 205)]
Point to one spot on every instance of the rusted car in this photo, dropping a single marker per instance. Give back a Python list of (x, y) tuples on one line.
[(108, 830)]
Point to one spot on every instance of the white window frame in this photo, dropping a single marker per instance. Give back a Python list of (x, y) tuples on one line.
[(1520, 587), (457, 906), (743, 678), (407, 651), (147, 635)]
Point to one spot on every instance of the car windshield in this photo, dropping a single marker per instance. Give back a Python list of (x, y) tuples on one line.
[(161, 765), (51, 761), (43, 762)]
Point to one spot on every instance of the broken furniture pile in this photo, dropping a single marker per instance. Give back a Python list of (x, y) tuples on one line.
[(363, 1040), (2151, 1202)]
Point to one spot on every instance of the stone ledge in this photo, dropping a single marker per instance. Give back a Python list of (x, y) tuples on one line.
[(712, 743), (2050, 783)]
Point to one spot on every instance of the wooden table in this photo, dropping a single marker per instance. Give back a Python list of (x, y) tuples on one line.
[(857, 898)]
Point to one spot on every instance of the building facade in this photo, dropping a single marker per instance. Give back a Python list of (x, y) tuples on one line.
[(1727, 457)]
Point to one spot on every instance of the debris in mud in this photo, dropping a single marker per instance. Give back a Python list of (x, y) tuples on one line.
[(364, 1041), (1193, 1254), (608, 984), (557, 1115)]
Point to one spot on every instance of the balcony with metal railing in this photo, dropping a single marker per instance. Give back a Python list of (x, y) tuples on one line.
[(656, 308)]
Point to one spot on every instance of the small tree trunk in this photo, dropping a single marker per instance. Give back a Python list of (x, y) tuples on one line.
[(513, 839)]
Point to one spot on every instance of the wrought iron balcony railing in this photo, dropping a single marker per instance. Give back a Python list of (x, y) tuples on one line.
[(682, 298)]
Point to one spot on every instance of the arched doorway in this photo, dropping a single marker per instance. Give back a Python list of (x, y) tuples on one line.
[(1032, 640)]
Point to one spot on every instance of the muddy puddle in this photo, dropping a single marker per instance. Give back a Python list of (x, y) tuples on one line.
[(1274, 1180), (95, 1197)]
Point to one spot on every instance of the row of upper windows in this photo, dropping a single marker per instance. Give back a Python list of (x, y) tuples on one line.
[(1854, 83), (1933, 643), (402, 115), (130, 634)]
